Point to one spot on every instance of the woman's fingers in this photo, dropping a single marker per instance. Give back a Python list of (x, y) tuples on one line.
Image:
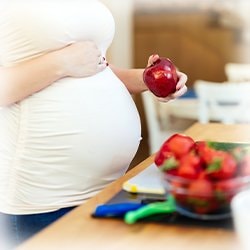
[(152, 59), (102, 64), (182, 80), (181, 88)]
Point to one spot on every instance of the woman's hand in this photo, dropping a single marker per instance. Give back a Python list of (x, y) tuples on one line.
[(21, 80), (81, 59), (181, 87), (153, 58)]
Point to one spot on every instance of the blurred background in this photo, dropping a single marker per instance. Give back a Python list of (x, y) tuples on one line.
[(200, 37)]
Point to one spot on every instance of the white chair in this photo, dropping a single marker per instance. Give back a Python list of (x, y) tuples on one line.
[(237, 72), (223, 102), (156, 134), (161, 121)]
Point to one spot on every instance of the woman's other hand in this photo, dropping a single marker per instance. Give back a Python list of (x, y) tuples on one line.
[(81, 59), (181, 87)]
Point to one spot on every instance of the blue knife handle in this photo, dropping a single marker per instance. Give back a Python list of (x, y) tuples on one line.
[(115, 210)]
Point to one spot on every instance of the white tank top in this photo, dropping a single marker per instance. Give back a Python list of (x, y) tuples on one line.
[(62, 145)]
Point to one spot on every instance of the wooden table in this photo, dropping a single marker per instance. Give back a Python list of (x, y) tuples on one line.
[(77, 230)]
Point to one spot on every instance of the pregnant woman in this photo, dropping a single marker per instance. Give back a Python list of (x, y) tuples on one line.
[(68, 123)]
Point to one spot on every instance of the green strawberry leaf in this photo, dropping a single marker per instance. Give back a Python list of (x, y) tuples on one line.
[(170, 163), (226, 146), (214, 166)]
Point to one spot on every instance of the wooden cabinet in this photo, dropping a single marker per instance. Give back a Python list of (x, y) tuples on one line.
[(195, 41)]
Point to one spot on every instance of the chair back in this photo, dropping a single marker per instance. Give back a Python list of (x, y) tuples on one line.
[(237, 72), (156, 134), (223, 102)]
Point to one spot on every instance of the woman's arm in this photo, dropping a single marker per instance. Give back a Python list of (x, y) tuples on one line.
[(76, 60), (132, 78), (20, 81)]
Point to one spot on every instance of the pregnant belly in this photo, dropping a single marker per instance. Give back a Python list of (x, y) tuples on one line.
[(87, 127)]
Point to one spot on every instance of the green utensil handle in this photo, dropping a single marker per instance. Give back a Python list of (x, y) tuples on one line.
[(154, 208)]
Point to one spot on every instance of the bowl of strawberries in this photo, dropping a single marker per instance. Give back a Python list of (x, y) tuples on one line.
[(203, 176)]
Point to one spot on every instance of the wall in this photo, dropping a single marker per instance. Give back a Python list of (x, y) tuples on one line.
[(121, 50)]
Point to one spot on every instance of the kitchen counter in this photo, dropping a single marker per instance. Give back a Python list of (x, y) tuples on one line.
[(78, 230)]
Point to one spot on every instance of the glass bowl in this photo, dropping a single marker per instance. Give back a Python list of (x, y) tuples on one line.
[(204, 199)]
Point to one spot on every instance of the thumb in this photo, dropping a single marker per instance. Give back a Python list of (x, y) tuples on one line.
[(152, 59)]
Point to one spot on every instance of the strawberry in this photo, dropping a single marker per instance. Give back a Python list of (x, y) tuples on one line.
[(180, 144), (192, 159), (225, 190), (204, 152), (163, 154), (178, 191), (200, 194), (189, 166), (159, 159), (169, 164), (223, 166), (187, 171)]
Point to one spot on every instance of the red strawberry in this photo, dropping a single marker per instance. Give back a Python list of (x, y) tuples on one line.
[(189, 166), (163, 154), (192, 159), (205, 153), (177, 188), (200, 195), (226, 189), (170, 165), (223, 166), (180, 144), (187, 171), (159, 159)]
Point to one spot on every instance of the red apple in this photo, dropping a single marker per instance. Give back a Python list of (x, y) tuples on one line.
[(161, 77)]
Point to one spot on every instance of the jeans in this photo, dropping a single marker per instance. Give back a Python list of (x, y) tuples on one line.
[(14, 229)]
